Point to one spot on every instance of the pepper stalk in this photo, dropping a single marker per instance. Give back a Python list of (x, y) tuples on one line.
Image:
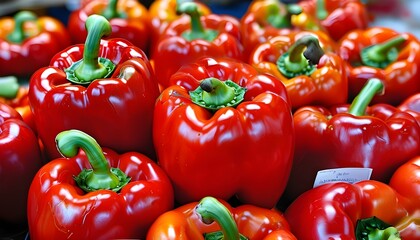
[(91, 66), (209, 209), (373, 87), (9, 87), (18, 34), (301, 57), (197, 29), (101, 176), (214, 94), (375, 229), (381, 55), (111, 11)]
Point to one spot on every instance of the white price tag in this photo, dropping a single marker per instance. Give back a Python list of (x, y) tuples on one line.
[(349, 175)]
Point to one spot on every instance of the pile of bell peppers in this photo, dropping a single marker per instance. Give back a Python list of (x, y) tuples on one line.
[(178, 122)]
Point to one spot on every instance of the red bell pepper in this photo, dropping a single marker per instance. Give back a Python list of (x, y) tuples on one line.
[(105, 88), (94, 193), (129, 20), (20, 159), (412, 106), (335, 17), (353, 211), (216, 219), (16, 95), (380, 137), (28, 42), (223, 130), (192, 37), (163, 12), (305, 63), (385, 54), (264, 20)]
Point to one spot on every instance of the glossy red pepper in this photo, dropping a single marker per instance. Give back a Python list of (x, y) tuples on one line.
[(264, 20), (163, 12), (380, 137), (20, 159), (385, 54), (335, 17), (28, 42), (105, 88), (15, 95), (95, 193), (305, 62), (412, 106), (211, 217), (345, 210), (129, 20), (232, 136), (192, 37)]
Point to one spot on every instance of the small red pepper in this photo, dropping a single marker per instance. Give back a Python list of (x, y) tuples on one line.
[(305, 63), (192, 37), (380, 137), (28, 42), (364, 210), (129, 20), (224, 130), (412, 106), (163, 12), (335, 17), (20, 159), (94, 193), (211, 218), (385, 54), (105, 88)]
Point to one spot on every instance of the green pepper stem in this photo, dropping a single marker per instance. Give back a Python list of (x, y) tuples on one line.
[(18, 33), (100, 176), (301, 57), (111, 10), (9, 87), (381, 55), (375, 229), (210, 209), (279, 20), (215, 94), (197, 29), (321, 11), (373, 87), (92, 67)]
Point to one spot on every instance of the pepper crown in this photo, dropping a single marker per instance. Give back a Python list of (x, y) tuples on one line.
[(101, 176), (375, 229), (278, 19), (91, 66), (214, 94), (210, 209), (18, 34), (301, 57), (197, 29), (381, 55), (111, 11)]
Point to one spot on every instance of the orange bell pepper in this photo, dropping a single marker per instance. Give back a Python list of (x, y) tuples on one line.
[(321, 80), (211, 217)]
